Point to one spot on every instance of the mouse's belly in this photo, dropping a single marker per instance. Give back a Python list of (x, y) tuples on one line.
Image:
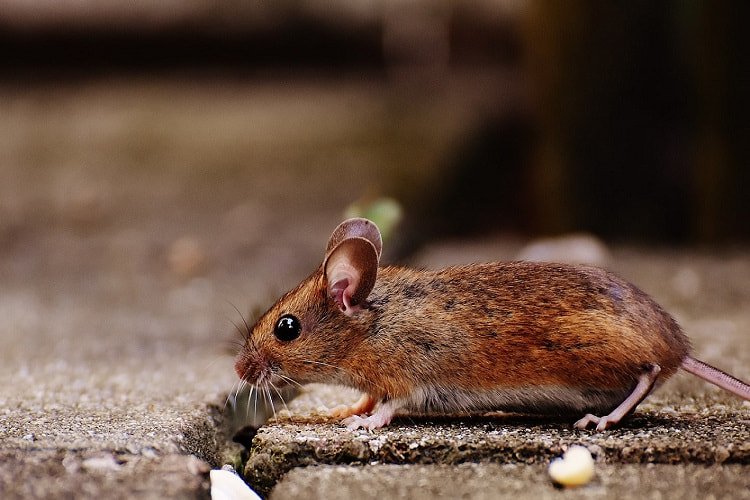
[(544, 400)]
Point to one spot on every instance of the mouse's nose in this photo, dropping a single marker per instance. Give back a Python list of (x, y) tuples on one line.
[(247, 367)]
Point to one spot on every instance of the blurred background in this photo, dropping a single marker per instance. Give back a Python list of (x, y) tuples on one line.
[(185, 134)]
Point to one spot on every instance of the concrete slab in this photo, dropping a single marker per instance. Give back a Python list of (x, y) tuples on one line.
[(60, 473), (491, 481), (707, 436), (93, 402)]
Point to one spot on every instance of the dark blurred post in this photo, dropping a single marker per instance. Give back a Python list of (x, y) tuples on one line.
[(642, 117), (718, 43), (546, 43)]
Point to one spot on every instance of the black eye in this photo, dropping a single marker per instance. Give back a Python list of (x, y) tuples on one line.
[(287, 328)]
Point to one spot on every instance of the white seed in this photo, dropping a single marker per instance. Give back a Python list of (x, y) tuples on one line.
[(226, 485), (575, 468)]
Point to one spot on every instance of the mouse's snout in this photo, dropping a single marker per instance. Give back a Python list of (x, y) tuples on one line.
[(249, 366)]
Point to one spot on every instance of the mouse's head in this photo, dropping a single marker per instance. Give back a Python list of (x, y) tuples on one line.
[(303, 337)]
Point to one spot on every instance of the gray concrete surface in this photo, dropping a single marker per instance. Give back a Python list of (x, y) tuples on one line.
[(58, 473), (683, 436), (105, 397), (492, 481)]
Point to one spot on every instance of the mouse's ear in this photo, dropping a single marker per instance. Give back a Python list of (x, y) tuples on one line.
[(351, 262), (356, 228)]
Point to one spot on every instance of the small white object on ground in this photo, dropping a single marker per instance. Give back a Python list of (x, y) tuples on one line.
[(226, 485), (575, 468)]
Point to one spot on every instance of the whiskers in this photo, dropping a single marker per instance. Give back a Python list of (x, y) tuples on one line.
[(289, 380), (255, 403)]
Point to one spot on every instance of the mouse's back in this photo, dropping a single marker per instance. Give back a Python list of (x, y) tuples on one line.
[(522, 326)]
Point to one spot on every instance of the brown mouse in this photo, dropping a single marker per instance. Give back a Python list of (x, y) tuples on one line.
[(541, 338)]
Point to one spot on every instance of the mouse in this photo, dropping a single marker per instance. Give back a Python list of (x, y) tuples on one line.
[(525, 337)]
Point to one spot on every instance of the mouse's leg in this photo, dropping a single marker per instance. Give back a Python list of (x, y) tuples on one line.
[(644, 386), (380, 418), (365, 405)]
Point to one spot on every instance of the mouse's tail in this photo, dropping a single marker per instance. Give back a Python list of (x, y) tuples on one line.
[(716, 377)]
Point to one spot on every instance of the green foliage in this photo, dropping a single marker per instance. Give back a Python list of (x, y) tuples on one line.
[(385, 212)]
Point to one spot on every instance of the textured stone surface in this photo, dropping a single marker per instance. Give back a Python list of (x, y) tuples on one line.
[(100, 474), (706, 436), (490, 481)]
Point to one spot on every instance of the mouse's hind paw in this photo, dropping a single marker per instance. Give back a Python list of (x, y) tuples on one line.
[(586, 421), (601, 423), (644, 386)]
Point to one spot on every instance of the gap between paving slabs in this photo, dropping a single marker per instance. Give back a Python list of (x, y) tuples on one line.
[(709, 436), (210, 439)]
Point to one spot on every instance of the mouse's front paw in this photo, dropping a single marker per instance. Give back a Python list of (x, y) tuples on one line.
[(375, 421), (354, 422)]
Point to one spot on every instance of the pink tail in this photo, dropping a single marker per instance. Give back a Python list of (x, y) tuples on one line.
[(716, 377)]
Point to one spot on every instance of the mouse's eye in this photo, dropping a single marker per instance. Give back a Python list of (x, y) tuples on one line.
[(287, 328)]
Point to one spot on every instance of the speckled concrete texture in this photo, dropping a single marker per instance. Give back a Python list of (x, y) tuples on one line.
[(94, 403), (492, 481), (101, 474), (710, 436)]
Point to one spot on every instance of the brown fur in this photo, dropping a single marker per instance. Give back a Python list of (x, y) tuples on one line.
[(515, 325)]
